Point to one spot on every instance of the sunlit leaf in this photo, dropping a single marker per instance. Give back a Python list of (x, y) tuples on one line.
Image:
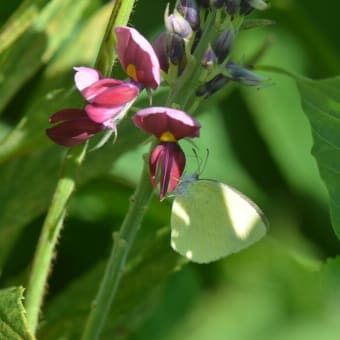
[(35, 46)]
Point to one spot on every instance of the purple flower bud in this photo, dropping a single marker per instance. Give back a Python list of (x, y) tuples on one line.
[(209, 59), (160, 47), (232, 6), (212, 86), (175, 49), (176, 24), (223, 45), (247, 6), (189, 10), (217, 3), (243, 76)]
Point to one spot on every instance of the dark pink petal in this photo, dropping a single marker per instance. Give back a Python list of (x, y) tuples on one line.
[(67, 114), (157, 120), (134, 49), (178, 165), (170, 158), (154, 160), (101, 114), (73, 131), (96, 88), (118, 95), (85, 76)]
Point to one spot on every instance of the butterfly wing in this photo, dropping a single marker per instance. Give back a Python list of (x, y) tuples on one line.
[(211, 220)]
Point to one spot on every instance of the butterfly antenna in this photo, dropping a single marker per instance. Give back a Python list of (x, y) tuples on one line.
[(201, 164)]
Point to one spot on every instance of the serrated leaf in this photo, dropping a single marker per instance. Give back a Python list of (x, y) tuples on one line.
[(321, 103), (13, 324)]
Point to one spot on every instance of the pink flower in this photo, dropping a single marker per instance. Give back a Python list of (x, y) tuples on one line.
[(137, 57), (106, 97), (167, 159), (74, 128)]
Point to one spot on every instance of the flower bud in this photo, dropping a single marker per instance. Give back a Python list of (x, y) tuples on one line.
[(160, 47), (175, 48), (247, 6), (232, 6), (258, 4), (217, 3), (190, 12), (212, 86), (242, 75), (209, 59), (175, 23), (223, 44)]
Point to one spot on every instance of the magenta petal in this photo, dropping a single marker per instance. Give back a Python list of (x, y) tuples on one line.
[(119, 95), (170, 158), (100, 86), (178, 165), (73, 131), (67, 114), (85, 76), (101, 114), (134, 49), (157, 120), (155, 156)]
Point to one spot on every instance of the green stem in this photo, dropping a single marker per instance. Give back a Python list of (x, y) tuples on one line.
[(181, 93), (123, 240), (51, 228)]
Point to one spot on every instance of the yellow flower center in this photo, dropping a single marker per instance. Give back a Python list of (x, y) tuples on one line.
[(132, 72), (167, 136)]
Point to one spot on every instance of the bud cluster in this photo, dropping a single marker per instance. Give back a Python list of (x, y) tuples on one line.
[(184, 42)]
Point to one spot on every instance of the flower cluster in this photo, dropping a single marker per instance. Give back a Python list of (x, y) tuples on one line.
[(178, 45), (107, 99), (184, 41)]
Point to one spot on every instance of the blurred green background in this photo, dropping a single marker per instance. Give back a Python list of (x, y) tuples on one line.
[(259, 141)]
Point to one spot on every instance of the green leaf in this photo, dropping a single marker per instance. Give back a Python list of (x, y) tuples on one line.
[(13, 324), (321, 103), (32, 48)]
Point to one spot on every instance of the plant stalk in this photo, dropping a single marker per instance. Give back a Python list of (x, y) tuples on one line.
[(52, 226), (50, 232), (123, 240)]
